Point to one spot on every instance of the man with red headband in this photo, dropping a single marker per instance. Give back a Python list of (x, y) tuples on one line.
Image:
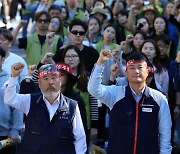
[(140, 120), (53, 123)]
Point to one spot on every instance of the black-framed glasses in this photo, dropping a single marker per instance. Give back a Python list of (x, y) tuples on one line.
[(71, 56), (43, 20), (75, 32)]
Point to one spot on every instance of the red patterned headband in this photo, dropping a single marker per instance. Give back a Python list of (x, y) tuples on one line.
[(131, 62), (150, 69), (43, 73)]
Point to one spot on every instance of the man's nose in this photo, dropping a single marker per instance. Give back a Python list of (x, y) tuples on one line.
[(50, 81), (136, 70)]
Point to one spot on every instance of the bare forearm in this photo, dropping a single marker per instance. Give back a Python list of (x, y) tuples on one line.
[(130, 24), (15, 33)]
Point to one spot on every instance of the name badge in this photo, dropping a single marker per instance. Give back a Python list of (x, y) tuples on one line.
[(146, 109)]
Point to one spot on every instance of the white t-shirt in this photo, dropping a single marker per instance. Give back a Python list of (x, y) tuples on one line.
[(10, 60)]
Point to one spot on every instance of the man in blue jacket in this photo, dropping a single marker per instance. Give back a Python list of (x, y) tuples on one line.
[(140, 120)]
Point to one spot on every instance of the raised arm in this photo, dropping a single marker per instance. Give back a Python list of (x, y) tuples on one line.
[(106, 94), (21, 24), (11, 98), (130, 24)]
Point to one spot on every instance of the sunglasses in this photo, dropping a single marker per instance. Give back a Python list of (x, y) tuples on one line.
[(75, 32), (43, 20)]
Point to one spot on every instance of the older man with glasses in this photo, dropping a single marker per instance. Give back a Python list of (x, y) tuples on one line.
[(35, 44)]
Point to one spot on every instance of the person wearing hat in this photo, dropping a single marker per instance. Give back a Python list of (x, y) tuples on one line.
[(149, 12), (68, 80), (53, 122), (100, 13), (140, 119)]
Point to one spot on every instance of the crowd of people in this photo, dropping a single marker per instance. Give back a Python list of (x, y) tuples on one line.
[(101, 72)]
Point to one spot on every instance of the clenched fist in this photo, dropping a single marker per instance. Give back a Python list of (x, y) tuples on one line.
[(16, 69)]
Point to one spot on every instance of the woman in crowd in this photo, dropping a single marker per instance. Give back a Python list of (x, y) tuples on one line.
[(94, 31), (134, 42), (140, 24), (72, 56), (64, 15), (56, 26), (108, 43), (161, 27), (151, 50)]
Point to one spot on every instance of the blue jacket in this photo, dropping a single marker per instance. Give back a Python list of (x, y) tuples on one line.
[(151, 117), (43, 136)]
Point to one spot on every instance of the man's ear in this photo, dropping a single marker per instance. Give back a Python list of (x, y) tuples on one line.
[(126, 73), (147, 72), (39, 83)]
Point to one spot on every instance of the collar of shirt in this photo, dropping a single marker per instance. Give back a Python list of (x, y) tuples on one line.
[(137, 97), (52, 108)]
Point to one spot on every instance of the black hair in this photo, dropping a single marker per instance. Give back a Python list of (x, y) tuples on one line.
[(71, 81), (83, 78), (97, 19), (142, 34), (153, 84), (122, 2), (137, 56), (111, 14), (2, 52), (164, 38), (156, 59), (55, 7), (166, 22), (122, 12), (7, 34), (141, 17), (99, 1), (78, 22), (178, 7), (116, 31), (67, 12)]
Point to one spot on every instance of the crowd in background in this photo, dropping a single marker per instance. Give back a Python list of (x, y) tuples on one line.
[(73, 32)]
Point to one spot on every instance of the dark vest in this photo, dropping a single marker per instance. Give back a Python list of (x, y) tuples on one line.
[(122, 125), (43, 136)]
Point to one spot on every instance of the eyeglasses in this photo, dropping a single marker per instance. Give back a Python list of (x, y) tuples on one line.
[(75, 32), (71, 56), (55, 23), (43, 20)]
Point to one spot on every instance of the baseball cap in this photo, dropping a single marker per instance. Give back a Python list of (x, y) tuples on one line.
[(148, 8)]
